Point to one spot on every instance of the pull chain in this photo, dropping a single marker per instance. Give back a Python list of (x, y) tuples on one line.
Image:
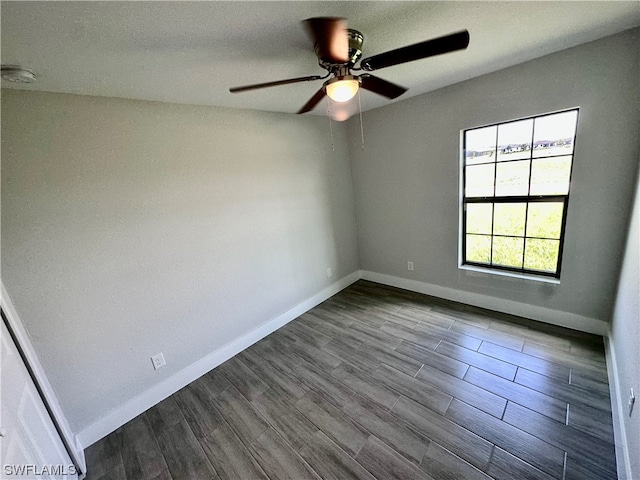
[(361, 128), (330, 127)]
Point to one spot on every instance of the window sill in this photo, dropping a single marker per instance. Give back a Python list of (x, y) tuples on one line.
[(503, 273)]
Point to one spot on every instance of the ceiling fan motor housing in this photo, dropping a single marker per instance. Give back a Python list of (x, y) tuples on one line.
[(355, 39)]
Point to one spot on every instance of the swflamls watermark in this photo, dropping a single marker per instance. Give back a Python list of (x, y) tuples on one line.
[(22, 469)]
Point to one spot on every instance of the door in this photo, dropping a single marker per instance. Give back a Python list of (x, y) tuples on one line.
[(30, 447)]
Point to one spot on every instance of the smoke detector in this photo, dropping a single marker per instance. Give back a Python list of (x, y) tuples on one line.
[(17, 74)]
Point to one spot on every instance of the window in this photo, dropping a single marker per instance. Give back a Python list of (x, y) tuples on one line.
[(515, 191)]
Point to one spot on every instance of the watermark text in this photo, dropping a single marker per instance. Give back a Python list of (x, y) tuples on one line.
[(23, 469)]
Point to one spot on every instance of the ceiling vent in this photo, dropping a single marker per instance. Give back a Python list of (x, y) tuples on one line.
[(17, 74)]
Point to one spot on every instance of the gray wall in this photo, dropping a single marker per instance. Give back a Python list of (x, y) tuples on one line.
[(625, 338), (131, 228), (406, 181)]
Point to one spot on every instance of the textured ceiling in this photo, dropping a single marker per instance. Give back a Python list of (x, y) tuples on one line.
[(192, 52)]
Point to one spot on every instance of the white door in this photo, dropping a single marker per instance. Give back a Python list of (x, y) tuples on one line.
[(30, 447)]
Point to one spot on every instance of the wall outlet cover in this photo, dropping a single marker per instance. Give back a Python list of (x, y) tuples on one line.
[(158, 361)]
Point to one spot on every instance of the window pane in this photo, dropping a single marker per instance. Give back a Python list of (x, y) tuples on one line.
[(479, 180), (550, 176), (514, 140), (554, 134), (478, 248), (512, 178), (509, 219), (541, 254), (479, 217), (507, 251), (480, 145), (544, 219)]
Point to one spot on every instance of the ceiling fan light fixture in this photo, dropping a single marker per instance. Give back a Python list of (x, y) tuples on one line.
[(342, 89)]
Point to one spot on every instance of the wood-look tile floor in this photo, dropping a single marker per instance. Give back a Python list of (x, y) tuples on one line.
[(378, 382)]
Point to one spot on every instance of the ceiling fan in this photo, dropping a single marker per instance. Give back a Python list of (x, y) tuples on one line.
[(339, 48)]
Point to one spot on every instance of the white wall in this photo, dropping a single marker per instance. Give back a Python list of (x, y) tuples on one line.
[(624, 343), (406, 181), (131, 228)]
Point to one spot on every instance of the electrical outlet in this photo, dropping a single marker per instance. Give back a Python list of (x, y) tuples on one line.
[(158, 361), (632, 401), (410, 266), (329, 272)]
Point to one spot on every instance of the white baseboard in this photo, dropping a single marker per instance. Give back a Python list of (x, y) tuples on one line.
[(542, 314), (75, 450), (134, 407), (618, 412)]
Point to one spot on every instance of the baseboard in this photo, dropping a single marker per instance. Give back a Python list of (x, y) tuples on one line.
[(618, 410), (162, 390), (75, 450), (542, 314)]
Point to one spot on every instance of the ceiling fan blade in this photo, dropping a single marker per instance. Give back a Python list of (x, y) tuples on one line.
[(428, 48), (274, 84), (330, 38), (380, 86), (310, 105)]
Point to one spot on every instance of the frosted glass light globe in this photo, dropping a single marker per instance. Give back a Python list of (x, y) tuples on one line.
[(342, 90)]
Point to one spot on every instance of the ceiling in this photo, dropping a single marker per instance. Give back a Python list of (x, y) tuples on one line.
[(192, 52)]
